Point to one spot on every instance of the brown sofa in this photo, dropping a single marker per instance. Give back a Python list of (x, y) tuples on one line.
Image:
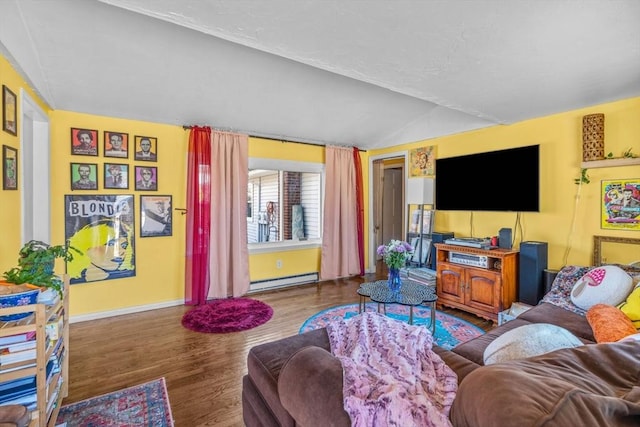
[(297, 382)]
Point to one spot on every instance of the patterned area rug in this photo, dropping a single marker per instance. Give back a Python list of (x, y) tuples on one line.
[(450, 330), (142, 405), (227, 315)]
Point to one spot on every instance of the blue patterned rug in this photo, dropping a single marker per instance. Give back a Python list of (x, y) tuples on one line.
[(141, 405), (450, 330)]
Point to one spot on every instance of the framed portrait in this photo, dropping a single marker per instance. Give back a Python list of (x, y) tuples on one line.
[(620, 204), (116, 144), (9, 168), (84, 176), (155, 216), (9, 111), (101, 227), (146, 148), (116, 175), (422, 162), (146, 178), (84, 142)]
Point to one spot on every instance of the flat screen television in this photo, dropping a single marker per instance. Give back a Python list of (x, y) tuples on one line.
[(503, 180)]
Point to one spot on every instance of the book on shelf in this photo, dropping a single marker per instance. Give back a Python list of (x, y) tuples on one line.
[(19, 390), (14, 348), (19, 356), (17, 338)]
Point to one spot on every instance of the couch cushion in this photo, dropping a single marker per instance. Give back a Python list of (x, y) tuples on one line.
[(473, 350), (547, 313), (567, 387), (529, 340), (609, 324)]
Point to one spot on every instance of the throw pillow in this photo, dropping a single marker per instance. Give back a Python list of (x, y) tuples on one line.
[(606, 284), (529, 340), (559, 294), (609, 324), (631, 307)]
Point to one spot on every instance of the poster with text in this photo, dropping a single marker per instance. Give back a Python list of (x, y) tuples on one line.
[(621, 204), (102, 228), (422, 161)]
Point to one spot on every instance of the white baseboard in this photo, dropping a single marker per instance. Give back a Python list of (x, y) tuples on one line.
[(120, 311), (283, 282)]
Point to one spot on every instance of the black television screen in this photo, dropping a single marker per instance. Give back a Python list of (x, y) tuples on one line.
[(504, 180)]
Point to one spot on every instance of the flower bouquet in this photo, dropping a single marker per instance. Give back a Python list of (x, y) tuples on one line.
[(395, 254)]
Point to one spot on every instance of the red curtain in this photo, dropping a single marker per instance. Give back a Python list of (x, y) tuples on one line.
[(198, 216), (359, 207)]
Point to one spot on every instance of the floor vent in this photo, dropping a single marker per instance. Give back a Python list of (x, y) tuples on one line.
[(281, 282)]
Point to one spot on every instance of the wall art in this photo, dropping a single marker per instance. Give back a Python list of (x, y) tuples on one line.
[(84, 176), (620, 204), (146, 148), (155, 216), (146, 178), (9, 168), (84, 142), (116, 144), (9, 111), (116, 175), (102, 228), (422, 161)]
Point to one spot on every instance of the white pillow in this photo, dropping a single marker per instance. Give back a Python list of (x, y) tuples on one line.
[(606, 284), (529, 340)]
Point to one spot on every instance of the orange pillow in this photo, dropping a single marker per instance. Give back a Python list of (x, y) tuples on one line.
[(609, 323)]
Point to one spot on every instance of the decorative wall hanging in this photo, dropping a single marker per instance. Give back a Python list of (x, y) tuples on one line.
[(146, 148), (621, 204), (155, 216), (9, 168), (593, 137), (146, 178), (116, 175), (84, 176), (10, 111), (84, 142), (422, 161), (116, 144), (102, 228)]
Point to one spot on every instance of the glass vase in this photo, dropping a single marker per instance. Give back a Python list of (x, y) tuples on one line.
[(394, 279)]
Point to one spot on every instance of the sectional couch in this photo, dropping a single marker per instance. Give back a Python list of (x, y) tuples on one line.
[(296, 381)]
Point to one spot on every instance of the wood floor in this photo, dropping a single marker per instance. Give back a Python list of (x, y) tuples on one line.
[(203, 372)]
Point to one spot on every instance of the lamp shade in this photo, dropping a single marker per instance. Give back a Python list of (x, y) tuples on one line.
[(420, 191)]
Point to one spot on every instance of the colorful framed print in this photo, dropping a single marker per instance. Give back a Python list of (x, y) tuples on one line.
[(84, 142), (116, 175), (9, 168), (84, 176), (146, 148), (422, 161), (146, 178), (9, 111), (155, 216), (116, 144), (620, 204), (101, 227)]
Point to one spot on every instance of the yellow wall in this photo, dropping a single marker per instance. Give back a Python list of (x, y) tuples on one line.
[(560, 139)]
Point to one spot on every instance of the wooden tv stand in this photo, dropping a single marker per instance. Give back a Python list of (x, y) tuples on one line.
[(484, 292)]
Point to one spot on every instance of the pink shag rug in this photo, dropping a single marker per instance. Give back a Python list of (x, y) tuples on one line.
[(227, 315), (141, 405)]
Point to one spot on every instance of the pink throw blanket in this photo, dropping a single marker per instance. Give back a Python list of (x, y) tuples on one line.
[(391, 375)]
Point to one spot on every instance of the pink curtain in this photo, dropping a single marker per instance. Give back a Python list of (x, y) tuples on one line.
[(340, 257), (217, 258), (198, 216)]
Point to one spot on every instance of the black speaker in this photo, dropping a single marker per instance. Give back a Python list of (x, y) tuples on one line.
[(437, 237), (533, 262), (504, 238)]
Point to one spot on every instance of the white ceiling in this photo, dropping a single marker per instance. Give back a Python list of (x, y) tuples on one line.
[(367, 73)]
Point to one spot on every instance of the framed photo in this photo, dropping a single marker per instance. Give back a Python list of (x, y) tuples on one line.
[(10, 111), (420, 257), (9, 168), (620, 204), (102, 228), (422, 161), (146, 148), (84, 176), (84, 142), (116, 175), (146, 178), (155, 216), (116, 144)]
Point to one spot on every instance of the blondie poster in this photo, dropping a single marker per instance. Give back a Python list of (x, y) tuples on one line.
[(621, 204), (102, 228)]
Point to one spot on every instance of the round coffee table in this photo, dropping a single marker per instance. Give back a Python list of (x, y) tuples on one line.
[(411, 293)]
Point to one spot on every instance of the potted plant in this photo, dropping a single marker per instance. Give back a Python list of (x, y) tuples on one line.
[(35, 265)]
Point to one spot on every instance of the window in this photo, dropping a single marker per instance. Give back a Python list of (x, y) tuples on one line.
[(284, 201)]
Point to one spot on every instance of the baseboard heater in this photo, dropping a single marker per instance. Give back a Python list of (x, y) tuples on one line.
[(281, 282)]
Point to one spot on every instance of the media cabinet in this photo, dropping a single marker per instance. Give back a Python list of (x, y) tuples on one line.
[(484, 292)]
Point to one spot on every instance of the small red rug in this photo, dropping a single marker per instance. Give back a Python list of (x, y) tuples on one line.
[(227, 315), (141, 405)]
